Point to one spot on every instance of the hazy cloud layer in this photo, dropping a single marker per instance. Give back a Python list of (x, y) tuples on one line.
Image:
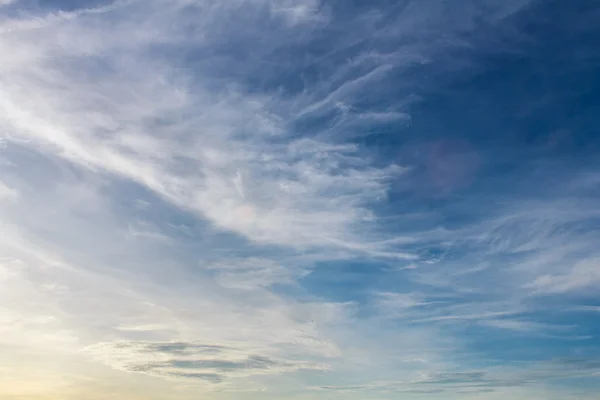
[(299, 198)]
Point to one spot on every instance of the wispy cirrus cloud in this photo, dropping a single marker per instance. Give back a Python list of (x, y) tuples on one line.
[(179, 180), (249, 273), (581, 276), (493, 380)]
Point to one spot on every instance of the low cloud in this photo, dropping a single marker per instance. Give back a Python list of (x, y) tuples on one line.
[(191, 361)]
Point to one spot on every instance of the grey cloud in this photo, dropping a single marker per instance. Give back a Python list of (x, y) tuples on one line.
[(182, 348), (343, 389), (579, 363), (536, 372), (484, 381), (252, 362), (476, 391), (454, 377), (376, 387), (214, 378), (423, 391), (191, 361), (568, 367), (474, 379)]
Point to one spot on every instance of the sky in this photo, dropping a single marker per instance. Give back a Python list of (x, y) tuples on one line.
[(299, 199)]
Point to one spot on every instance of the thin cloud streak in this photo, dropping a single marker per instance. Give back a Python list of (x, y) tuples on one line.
[(181, 179)]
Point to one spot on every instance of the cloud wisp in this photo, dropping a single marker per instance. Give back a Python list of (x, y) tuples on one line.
[(278, 196)]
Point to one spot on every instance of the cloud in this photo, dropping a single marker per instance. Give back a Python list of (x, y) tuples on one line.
[(342, 388), (191, 361), (7, 194), (523, 326), (298, 192), (495, 378), (251, 273), (293, 192), (65, 309), (586, 308), (453, 377), (199, 195), (441, 382), (583, 275)]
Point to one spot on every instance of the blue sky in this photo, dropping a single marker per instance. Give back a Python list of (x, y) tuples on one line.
[(299, 199)]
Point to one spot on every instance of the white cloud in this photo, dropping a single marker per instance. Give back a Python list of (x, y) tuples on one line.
[(524, 326), (581, 277), (57, 307), (252, 273), (300, 11), (7, 193), (297, 192), (116, 141), (400, 304)]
